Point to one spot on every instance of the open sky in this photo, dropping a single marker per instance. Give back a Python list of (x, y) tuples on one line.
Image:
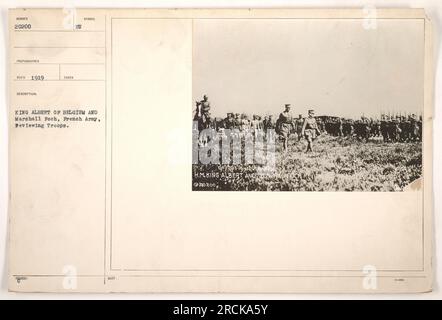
[(336, 67)]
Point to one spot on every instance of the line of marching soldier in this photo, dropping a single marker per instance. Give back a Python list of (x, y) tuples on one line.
[(389, 128)]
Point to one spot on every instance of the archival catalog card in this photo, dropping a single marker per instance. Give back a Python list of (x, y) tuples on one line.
[(269, 150)]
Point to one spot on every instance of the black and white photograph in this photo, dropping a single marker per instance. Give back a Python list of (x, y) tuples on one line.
[(307, 104), (317, 125)]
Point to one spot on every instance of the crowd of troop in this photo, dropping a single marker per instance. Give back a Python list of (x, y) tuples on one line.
[(389, 128), (397, 128)]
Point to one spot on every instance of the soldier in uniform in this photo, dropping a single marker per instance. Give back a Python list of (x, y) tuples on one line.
[(229, 121), (202, 118), (404, 125), (321, 125), (414, 127), (364, 128), (285, 125), (264, 122), (245, 122), (270, 123), (237, 121), (376, 128), (310, 130), (299, 123), (397, 129), (205, 103), (257, 125), (203, 109)]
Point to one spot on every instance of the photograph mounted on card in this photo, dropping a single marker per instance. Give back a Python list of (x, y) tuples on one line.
[(125, 123)]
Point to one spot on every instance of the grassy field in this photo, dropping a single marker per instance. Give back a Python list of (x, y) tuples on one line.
[(336, 164)]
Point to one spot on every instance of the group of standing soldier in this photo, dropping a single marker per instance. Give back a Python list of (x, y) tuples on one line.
[(303, 127), (391, 129)]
